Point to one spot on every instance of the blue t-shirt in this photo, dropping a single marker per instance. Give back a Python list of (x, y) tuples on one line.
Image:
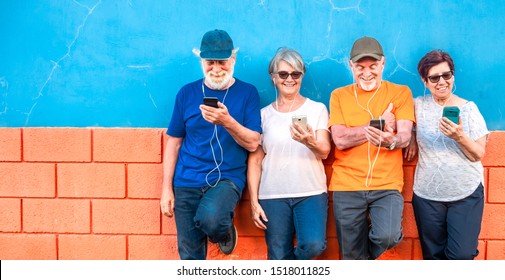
[(201, 149)]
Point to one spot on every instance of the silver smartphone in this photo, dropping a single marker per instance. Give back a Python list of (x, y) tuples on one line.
[(302, 120)]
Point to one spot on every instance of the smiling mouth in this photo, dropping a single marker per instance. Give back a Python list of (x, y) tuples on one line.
[(367, 79)]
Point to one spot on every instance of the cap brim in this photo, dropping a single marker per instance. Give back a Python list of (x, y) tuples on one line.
[(360, 56), (219, 55)]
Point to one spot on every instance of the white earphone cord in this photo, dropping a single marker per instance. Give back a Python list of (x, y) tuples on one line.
[(371, 165), (218, 143)]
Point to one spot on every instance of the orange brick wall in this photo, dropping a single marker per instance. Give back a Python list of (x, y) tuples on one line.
[(92, 193)]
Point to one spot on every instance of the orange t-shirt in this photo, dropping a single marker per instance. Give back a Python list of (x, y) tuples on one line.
[(351, 166)]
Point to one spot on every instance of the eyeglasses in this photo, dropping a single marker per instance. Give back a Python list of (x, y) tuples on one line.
[(284, 75), (436, 78)]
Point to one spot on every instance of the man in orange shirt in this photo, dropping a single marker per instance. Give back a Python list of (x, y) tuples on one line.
[(367, 177)]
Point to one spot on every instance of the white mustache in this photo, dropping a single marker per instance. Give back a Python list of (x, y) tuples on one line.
[(218, 75)]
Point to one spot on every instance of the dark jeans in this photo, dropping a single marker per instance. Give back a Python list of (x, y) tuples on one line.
[(449, 230), (368, 222), (305, 216), (202, 213)]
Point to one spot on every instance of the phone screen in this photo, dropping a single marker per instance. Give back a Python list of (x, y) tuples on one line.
[(210, 101), (452, 113), (379, 124)]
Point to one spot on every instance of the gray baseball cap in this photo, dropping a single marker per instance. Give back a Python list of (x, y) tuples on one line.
[(366, 47)]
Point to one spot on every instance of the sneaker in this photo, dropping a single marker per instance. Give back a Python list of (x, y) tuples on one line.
[(228, 246)]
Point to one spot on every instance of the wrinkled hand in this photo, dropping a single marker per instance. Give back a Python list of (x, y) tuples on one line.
[(450, 129), (298, 133), (412, 149), (380, 138), (389, 117), (167, 202), (213, 115), (258, 215)]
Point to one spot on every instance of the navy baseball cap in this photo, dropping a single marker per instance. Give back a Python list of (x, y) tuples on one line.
[(216, 45)]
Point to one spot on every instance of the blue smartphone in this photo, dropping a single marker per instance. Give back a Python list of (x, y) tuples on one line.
[(452, 113)]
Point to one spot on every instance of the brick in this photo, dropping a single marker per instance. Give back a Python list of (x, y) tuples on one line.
[(417, 251), (482, 250), (402, 251), (104, 180), (168, 225), (141, 247), (493, 222), (496, 250), (57, 144), (409, 222), (331, 227), (91, 247), (245, 196), (328, 169), (10, 144), (244, 223), (495, 187), (56, 215), (27, 179), (127, 145), (495, 154), (332, 250), (10, 216), (408, 183), (248, 248), (126, 216), (144, 180), (27, 247), (410, 163)]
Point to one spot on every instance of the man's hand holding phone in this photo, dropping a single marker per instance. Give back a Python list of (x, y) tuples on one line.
[(379, 133), (214, 111)]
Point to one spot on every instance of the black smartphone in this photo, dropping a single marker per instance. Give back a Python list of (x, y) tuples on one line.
[(210, 101), (452, 113), (378, 123)]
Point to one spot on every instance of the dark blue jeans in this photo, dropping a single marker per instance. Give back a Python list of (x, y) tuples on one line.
[(449, 230), (305, 216), (202, 213), (368, 222)]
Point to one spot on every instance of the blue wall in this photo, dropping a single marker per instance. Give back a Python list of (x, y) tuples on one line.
[(120, 63)]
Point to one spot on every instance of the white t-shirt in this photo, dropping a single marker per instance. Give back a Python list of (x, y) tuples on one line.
[(289, 168), (443, 171)]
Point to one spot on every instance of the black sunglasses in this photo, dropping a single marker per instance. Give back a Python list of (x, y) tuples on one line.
[(436, 78), (284, 75)]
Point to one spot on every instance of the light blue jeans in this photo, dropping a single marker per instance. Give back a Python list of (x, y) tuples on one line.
[(368, 222), (202, 213), (303, 216)]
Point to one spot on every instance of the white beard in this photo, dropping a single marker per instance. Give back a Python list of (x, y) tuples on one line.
[(218, 83), (368, 86)]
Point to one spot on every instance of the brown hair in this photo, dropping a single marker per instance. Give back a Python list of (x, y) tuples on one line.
[(431, 59)]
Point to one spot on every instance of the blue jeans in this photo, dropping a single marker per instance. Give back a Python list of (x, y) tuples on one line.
[(368, 222), (201, 213), (449, 230), (305, 216)]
